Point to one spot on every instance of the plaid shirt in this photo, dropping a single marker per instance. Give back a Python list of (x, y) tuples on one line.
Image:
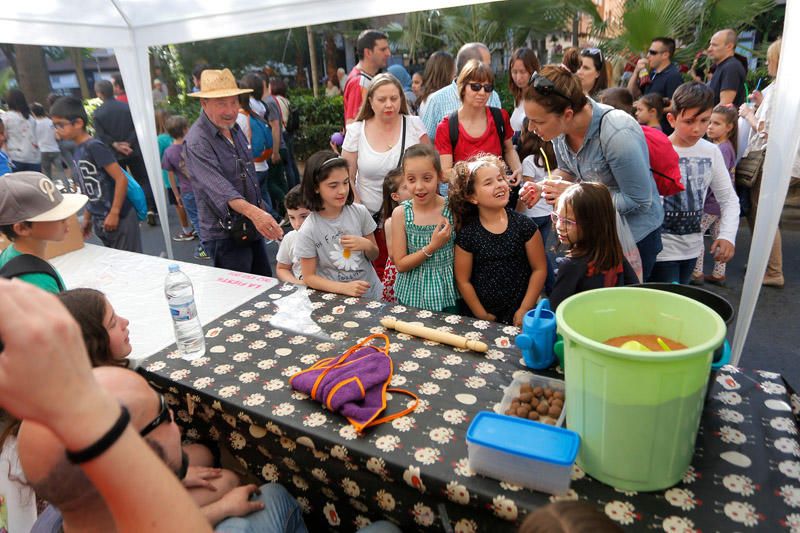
[(215, 167), (442, 103)]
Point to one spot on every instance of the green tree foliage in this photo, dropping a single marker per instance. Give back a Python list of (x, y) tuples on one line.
[(691, 23)]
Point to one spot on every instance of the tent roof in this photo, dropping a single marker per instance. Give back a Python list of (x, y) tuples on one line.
[(114, 23)]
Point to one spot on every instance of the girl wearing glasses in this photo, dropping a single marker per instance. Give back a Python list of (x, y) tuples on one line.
[(592, 72), (585, 223), (476, 128), (615, 154)]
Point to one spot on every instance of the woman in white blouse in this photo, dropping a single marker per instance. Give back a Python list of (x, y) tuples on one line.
[(521, 67), (374, 145)]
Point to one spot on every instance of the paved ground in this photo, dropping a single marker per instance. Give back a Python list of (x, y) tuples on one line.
[(772, 343)]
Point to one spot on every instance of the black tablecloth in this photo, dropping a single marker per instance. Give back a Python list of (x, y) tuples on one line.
[(413, 470)]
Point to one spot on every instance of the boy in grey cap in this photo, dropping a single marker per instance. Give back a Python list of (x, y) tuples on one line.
[(32, 212)]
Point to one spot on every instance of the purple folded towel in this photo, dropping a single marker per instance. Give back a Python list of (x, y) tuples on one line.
[(353, 384)]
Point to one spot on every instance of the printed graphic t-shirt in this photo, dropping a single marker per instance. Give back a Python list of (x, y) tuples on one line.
[(320, 238)]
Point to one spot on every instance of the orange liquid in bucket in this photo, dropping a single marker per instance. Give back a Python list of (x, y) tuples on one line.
[(650, 341)]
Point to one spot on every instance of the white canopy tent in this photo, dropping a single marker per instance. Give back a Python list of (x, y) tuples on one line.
[(131, 26)]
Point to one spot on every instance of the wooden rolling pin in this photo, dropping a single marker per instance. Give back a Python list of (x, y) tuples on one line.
[(433, 334)]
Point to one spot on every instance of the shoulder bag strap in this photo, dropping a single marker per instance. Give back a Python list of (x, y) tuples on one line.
[(30, 264), (402, 143), (452, 126)]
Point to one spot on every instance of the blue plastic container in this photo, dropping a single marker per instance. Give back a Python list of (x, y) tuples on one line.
[(520, 451), (538, 336)]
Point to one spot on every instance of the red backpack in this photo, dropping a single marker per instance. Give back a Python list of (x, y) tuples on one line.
[(663, 160)]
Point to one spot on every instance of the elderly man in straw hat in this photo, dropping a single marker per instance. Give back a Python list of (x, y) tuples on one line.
[(232, 217)]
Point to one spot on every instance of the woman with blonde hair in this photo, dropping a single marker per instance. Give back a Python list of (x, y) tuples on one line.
[(374, 145)]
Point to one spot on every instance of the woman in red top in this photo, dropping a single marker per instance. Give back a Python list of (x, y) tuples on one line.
[(477, 129)]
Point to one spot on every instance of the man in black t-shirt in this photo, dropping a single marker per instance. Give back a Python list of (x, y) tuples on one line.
[(728, 79), (663, 77)]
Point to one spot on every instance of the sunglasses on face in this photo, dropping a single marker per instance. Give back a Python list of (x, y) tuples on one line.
[(652, 52), (545, 86), (567, 222), (488, 87), (164, 416)]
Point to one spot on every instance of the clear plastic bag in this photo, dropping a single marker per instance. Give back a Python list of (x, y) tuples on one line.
[(629, 248)]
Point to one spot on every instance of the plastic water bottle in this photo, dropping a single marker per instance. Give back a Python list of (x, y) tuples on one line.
[(188, 329)]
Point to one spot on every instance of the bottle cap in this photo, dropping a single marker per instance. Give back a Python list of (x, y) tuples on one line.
[(174, 268)]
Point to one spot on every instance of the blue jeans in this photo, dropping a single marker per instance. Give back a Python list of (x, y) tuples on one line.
[(251, 258), (19, 166), (545, 225), (262, 176), (190, 206), (281, 512), (649, 248), (673, 271)]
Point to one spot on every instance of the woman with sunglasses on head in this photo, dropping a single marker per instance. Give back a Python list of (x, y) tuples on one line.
[(615, 154), (476, 128), (522, 65), (592, 72)]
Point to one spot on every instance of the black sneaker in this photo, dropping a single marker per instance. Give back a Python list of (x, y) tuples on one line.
[(151, 218)]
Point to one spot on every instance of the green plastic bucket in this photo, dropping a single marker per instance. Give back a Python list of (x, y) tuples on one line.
[(637, 412)]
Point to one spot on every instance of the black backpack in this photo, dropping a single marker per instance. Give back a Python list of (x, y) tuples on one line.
[(29, 264), (499, 123), (293, 120)]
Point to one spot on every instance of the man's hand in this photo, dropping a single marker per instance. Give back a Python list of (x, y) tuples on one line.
[(640, 65), (238, 503), (275, 157), (265, 224), (199, 476), (722, 250), (111, 223), (122, 147)]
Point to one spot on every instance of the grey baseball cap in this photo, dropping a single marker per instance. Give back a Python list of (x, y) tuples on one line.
[(33, 197)]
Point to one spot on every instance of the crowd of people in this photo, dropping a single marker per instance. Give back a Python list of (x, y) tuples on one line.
[(437, 198)]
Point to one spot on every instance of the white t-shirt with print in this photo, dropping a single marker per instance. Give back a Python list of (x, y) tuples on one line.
[(702, 167), (319, 238), (287, 255), (537, 174), (374, 165)]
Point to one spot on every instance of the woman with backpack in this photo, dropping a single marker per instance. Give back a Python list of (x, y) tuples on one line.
[(558, 110), (475, 128), (259, 137)]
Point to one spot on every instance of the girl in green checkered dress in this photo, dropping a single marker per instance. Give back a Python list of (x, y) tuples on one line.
[(422, 236)]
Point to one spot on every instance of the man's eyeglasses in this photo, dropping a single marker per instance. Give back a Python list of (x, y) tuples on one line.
[(652, 52), (545, 86), (567, 222), (488, 87), (164, 416)]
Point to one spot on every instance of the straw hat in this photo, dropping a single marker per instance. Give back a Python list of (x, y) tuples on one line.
[(218, 84)]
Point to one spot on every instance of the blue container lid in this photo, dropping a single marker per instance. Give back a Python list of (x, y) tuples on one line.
[(524, 438)]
